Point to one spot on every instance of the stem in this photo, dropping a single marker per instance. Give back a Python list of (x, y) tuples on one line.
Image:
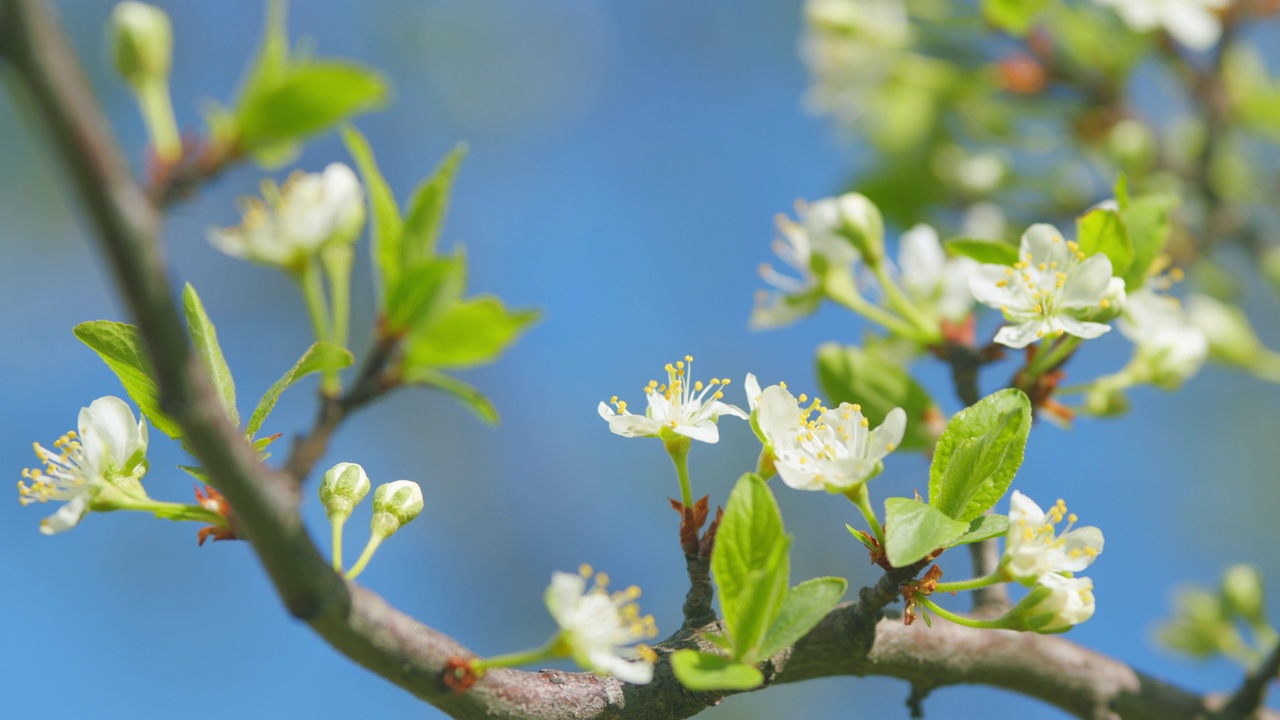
[(337, 267), (516, 659), (860, 498), (959, 619), (906, 307), (337, 521), (972, 583), (313, 293), (369, 549), (1047, 360), (679, 452), (162, 128), (173, 511), (875, 314)]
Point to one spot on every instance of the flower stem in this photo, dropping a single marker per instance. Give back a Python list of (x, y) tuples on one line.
[(959, 619), (679, 451), (1047, 360), (171, 511), (313, 293), (337, 521), (972, 583), (369, 549), (878, 315), (860, 498), (905, 307), (337, 267), (516, 659), (157, 114)]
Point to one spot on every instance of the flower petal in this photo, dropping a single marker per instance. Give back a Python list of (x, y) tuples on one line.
[(986, 288), (67, 516), (1020, 336), (1081, 328), (705, 431), (752, 387), (888, 436), (1087, 284)]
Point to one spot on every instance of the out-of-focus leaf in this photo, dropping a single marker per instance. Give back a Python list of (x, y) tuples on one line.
[(120, 347)]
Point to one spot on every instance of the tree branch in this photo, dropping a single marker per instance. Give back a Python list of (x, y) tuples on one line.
[(372, 633), (1254, 689)]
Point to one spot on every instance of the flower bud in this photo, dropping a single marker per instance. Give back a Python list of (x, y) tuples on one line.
[(862, 225), (1242, 592), (1198, 627), (1056, 604), (395, 504), (342, 488), (142, 43)]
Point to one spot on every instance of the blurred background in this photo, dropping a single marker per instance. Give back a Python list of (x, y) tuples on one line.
[(626, 162)]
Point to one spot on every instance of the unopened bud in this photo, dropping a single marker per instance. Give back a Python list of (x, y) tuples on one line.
[(395, 504), (1056, 604), (1242, 592), (863, 226), (342, 488), (142, 43)]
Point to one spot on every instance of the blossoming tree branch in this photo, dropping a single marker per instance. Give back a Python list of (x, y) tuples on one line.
[(1127, 210)]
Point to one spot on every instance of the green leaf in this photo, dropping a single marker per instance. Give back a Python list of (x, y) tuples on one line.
[(989, 252), (983, 527), (759, 603), (978, 454), (1103, 231), (470, 397), (702, 672), (271, 63), (468, 333), (387, 226), (309, 98), (878, 383), (913, 530), (424, 291), (318, 358), (1012, 16), (1148, 219), (428, 209), (803, 608), (750, 533), (205, 339), (120, 347)]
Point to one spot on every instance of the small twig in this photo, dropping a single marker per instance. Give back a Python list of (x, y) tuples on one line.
[(1254, 689)]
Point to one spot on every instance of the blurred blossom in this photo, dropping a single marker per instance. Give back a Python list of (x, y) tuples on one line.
[(931, 278), (1191, 22), (1170, 347)]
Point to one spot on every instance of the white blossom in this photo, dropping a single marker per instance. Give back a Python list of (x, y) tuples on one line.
[(110, 450), (598, 629), (836, 450), (811, 246), (1051, 290), (933, 279), (1170, 347), (1191, 22), (1068, 602), (1033, 547), (851, 48), (678, 406), (292, 223)]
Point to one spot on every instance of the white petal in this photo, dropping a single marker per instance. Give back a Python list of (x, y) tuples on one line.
[(1088, 283), (67, 516), (636, 672), (752, 386), (1081, 546), (1192, 25), (778, 413), (922, 260), (563, 594), (1020, 336), (888, 436), (1044, 244), (986, 290), (1024, 508), (1082, 329), (705, 431), (719, 409), (796, 477), (110, 432)]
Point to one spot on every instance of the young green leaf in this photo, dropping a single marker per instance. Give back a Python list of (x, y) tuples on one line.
[(749, 534), (424, 291), (913, 530), (470, 397), (1148, 219), (1103, 231), (803, 608), (1012, 16), (205, 339), (468, 333), (759, 604), (703, 672), (989, 252), (387, 226), (983, 527), (878, 383), (428, 209), (308, 99), (319, 357), (978, 454), (120, 347)]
